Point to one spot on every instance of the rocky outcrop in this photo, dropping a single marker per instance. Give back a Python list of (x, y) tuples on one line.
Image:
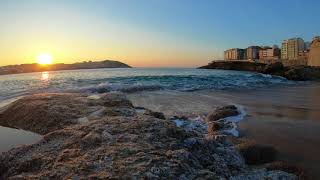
[(116, 141), (235, 65), (302, 73), (276, 67), (222, 112), (44, 113), (297, 73)]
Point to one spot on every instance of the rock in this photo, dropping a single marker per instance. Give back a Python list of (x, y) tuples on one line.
[(220, 138), (149, 112), (302, 73), (222, 112), (274, 68), (119, 111), (297, 73), (158, 115), (120, 146), (116, 100), (254, 153), (235, 65), (43, 113), (215, 126), (286, 167), (47, 112)]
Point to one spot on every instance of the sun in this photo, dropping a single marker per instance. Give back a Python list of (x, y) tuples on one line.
[(44, 59)]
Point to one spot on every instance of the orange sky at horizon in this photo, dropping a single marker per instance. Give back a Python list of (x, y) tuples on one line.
[(76, 35), (67, 50), (134, 60)]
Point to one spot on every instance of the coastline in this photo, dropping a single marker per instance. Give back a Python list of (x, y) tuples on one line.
[(286, 118), (113, 123), (296, 73), (195, 104)]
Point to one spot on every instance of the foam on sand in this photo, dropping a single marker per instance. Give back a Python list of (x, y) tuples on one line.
[(198, 124)]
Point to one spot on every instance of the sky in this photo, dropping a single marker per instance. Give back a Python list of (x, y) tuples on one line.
[(148, 33)]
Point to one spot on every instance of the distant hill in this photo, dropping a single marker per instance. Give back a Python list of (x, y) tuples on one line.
[(26, 68)]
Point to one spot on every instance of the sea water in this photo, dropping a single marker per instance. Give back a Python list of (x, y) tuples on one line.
[(132, 80)]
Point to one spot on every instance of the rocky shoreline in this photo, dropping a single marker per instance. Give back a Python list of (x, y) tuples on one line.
[(106, 137), (297, 73)]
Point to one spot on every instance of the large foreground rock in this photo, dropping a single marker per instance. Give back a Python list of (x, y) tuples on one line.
[(116, 143), (122, 147), (44, 113)]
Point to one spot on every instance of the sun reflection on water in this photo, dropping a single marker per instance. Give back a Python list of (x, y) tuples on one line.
[(45, 76)]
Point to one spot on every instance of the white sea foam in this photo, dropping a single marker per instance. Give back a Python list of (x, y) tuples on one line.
[(239, 117), (200, 125)]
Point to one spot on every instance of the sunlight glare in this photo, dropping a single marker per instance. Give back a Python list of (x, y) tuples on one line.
[(44, 59)]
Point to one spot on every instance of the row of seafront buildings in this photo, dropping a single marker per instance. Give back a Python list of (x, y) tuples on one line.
[(293, 51)]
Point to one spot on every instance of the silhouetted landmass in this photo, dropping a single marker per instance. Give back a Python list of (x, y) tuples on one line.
[(26, 68), (296, 73)]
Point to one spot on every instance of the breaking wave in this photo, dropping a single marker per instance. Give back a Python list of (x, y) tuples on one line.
[(134, 80)]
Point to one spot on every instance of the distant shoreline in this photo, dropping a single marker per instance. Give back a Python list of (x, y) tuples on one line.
[(30, 68), (295, 73)]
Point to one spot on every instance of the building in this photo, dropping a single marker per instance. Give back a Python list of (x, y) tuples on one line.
[(290, 48), (284, 49), (252, 52), (303, 55), (269, 53), (307, 45), (235, 54), (314, 53)]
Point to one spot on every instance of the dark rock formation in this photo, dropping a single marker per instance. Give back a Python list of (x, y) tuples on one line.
[(113, 141), (297, 73), (302, 73), (222, 112), (273, 68), (254, 153), (235, 65)]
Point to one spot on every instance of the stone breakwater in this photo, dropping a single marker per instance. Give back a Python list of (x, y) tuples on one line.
[(106, 137), (297, 73)]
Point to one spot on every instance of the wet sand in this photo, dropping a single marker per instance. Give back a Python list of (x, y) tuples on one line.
[(286, 117)]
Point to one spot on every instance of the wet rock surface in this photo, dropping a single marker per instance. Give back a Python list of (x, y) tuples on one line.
[(116, 142), (44, 113), (222, 112)]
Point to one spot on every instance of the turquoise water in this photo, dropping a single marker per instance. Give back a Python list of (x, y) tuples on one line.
[(132, 80)]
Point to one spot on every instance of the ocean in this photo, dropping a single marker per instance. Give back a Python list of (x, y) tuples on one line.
[(130, 80)]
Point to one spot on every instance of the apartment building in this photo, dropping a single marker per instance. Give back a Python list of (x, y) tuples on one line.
[(290, 48), (269, 53), (252, 52), (235, 54)]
